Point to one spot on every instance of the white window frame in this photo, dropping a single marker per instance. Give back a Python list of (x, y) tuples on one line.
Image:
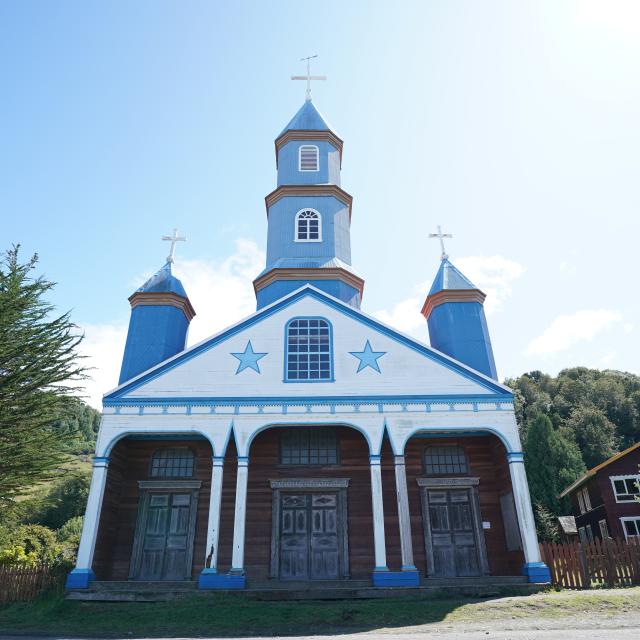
[(604, 529), (309, 146), (297, 218), (630, 476), (586, 498), (624, 529)]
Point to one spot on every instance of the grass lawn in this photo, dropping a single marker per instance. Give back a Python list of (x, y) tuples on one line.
[(232, 615)]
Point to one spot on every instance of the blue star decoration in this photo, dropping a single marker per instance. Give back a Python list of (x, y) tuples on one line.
[(248, 359), (368, 358)]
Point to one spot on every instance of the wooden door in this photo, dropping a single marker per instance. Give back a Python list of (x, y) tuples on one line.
[(164, 537), (309, 541), (452, 533)]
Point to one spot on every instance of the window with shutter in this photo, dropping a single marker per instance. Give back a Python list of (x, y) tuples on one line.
[(309, 156)]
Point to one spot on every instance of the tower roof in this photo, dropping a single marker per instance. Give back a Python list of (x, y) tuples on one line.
[(163, 282), (449, 278), (308, 118)]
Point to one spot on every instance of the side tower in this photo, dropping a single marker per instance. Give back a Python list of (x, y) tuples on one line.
[(160, 317), (309, 215), (457, 325)]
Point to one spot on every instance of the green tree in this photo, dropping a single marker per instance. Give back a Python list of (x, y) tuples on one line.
[(39, 367), (546, 524), (594, 434), (552, 462)]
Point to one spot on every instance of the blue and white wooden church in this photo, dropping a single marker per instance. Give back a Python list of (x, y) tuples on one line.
[(309, 441)]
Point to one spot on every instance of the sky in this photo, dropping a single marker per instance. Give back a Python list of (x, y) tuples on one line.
[(514, 125)]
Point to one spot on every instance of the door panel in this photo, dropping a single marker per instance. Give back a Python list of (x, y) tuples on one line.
[(453, 537), (309, 545), (165, 552)]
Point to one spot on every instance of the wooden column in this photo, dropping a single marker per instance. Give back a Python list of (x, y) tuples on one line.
[(92, 514), (378, 514), (237, 559), (215, 500), (404, 520)]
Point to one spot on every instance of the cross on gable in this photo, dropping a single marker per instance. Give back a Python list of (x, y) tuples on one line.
[(441, 236), (308, 77), (174, 238)]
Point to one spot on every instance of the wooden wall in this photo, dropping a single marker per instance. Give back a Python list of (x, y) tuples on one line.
[(129, 462)]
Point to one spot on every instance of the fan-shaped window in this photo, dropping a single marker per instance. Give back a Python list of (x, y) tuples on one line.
[(308, 356), (172, 462), (308, 158), (308, 226), (446, 460)]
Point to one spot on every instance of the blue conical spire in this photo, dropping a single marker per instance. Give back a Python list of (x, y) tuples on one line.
[(163, 281), (448, 277), (308, 118)]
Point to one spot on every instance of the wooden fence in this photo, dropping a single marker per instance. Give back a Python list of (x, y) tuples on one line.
[(25, 583), (585, 565)]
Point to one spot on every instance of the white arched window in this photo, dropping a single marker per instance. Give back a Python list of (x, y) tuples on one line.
[(308, 158), (308, 226)]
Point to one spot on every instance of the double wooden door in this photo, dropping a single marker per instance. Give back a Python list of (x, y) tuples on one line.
[(452, 533), (310, 537), (163, 543)]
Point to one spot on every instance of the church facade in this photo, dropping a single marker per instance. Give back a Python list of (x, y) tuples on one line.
[(309, 441)]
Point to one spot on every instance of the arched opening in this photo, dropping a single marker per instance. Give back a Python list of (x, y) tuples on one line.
[(463, 519), (309, 513), (153, 522)]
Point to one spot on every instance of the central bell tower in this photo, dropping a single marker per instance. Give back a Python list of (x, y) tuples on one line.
[(309, 215)]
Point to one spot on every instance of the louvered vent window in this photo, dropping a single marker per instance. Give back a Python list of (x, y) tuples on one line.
[(446, 460), (309, 157), (308, 226), (172, 462)]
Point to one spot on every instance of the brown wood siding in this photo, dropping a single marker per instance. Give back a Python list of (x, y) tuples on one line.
[(129, 463), (487, 461)]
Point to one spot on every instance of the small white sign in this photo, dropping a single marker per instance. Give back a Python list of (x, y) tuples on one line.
[(486, 525)]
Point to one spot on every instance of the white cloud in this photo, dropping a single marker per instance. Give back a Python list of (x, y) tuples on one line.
[(494, 275), (567, 330), (221, 293)]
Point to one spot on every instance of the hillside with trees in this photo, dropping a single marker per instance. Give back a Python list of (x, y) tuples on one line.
[(571, 423)]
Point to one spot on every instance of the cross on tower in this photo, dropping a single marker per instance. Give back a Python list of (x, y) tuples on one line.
[(308, 77), (441, 236), (173, 239)]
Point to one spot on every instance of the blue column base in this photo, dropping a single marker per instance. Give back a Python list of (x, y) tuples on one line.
[(211, 579), (537, 572), (410, 578), (79, 579)]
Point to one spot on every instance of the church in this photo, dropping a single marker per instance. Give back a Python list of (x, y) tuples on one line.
[(308, 443)]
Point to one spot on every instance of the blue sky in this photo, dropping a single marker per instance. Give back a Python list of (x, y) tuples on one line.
[(512, 124)]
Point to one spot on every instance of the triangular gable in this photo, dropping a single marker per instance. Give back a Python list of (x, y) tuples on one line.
[(470, 382)]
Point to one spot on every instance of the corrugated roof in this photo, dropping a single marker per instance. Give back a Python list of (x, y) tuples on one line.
[(308, 118), (308, 263), (448, 277), (602, 465), (163, 282)]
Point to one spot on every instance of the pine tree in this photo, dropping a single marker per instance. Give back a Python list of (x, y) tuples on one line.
[(39, 369), (552, 461)]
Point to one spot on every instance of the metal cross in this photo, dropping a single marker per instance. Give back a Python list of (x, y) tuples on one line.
[(441, 236), (308, 77), (173, 239)]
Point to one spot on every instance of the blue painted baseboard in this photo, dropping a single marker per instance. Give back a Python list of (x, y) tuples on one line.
[(79, 579), (537, 572), (211, 579), (396, 579)]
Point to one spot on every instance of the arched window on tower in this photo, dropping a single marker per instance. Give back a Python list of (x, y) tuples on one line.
[(308, 226), (308, 158)]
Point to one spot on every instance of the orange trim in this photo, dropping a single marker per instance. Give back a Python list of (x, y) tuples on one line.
[(602, 465), (451, 295), (330, 273), (149, 298), (309, 190), (309, 134)]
